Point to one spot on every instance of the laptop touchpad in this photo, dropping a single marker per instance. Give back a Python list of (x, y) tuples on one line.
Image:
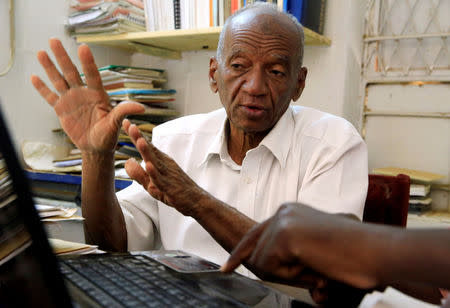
[(240, 288)]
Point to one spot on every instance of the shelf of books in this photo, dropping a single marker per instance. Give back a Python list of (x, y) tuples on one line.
[(167, 28), (171, 43)]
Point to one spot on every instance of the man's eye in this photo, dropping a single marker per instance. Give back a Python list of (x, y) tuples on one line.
[(277, 73), (236, 65)]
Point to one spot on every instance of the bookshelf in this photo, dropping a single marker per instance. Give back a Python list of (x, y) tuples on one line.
[(170, 44)]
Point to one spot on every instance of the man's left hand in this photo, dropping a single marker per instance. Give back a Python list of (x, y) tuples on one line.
[(162, 177)]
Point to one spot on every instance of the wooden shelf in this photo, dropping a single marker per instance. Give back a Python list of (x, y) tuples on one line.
[(170, 44)]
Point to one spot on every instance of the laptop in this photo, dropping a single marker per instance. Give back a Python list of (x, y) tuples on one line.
[(32, 276)]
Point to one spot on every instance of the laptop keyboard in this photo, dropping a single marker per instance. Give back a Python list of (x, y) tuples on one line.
[(133, 281)]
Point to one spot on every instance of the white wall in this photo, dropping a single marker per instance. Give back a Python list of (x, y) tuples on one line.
[(29, 116)]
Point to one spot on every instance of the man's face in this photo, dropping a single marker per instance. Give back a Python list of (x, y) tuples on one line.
[(258, 74)]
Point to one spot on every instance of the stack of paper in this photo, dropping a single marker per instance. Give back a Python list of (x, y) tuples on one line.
[(106, 17), (143, 85), (420, 189), (61, 247), (55, 213)]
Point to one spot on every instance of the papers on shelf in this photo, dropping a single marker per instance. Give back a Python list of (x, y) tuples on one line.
[(61, 247), (419, 190), (39, 156), (55, 213)]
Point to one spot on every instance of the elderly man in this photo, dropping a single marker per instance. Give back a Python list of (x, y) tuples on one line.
[(228, 169)]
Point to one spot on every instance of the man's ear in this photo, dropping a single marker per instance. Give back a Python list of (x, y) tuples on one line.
[(213, 65), (301, 76)]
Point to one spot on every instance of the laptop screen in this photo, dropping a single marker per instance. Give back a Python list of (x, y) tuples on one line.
[(29, 275)]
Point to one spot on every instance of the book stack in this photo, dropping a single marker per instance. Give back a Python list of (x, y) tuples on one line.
[(420, 200), (90, 17), (62, 247), (143, 85)]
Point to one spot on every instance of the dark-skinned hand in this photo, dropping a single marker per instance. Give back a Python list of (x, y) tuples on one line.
[(85, 112)]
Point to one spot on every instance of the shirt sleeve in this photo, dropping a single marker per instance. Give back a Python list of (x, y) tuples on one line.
[(336, 178), (140, 211)]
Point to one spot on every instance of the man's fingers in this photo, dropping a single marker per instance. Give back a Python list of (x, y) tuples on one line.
[(147, 150), (119, 112), (244, 249), (69, 70), (44, 91), (135, 172), (52, 72), (93, 79)]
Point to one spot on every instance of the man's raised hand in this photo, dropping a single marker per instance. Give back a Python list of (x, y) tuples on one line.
[(85, 112)]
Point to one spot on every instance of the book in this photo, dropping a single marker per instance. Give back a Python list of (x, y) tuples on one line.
[(141, 92), (296, 8), (419, 189), (177, 14), (415, 175), (121, 26), (131, 70), (128, 85), (46, 211), (62, 247), (142, 95), (313, 14), (82, 5), (109, 77), (420, 200), (104, 10), (73, 181)]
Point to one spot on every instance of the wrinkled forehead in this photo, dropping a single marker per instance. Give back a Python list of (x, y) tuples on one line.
[(272, 27)]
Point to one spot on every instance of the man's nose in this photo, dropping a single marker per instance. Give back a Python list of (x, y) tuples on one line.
[(256, 82)]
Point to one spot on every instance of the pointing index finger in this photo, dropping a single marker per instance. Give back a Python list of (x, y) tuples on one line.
[(244, 249)]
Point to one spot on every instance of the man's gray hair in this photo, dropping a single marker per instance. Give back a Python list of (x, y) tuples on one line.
[(271, 8)]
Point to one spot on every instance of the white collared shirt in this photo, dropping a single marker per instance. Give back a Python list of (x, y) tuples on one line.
[(309, 156)]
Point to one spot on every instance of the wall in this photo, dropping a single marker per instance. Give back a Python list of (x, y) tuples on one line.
[(29, 116)]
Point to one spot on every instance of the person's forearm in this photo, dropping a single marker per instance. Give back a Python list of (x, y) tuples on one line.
[(368, 255), (225, 224), (104, 221), (416, 256)]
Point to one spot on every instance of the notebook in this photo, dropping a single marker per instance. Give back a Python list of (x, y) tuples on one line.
[(31, 275)]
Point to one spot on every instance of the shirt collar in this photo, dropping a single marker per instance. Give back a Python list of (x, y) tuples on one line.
[(278, 141), (218, 145)]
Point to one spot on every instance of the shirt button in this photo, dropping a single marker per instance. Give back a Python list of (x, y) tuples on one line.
[(248, 180)]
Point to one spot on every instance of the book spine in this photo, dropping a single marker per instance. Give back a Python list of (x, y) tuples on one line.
[(314, 15), (177, 14)]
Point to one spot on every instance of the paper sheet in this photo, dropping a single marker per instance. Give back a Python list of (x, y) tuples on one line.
[(392, 298), (39, 156)]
